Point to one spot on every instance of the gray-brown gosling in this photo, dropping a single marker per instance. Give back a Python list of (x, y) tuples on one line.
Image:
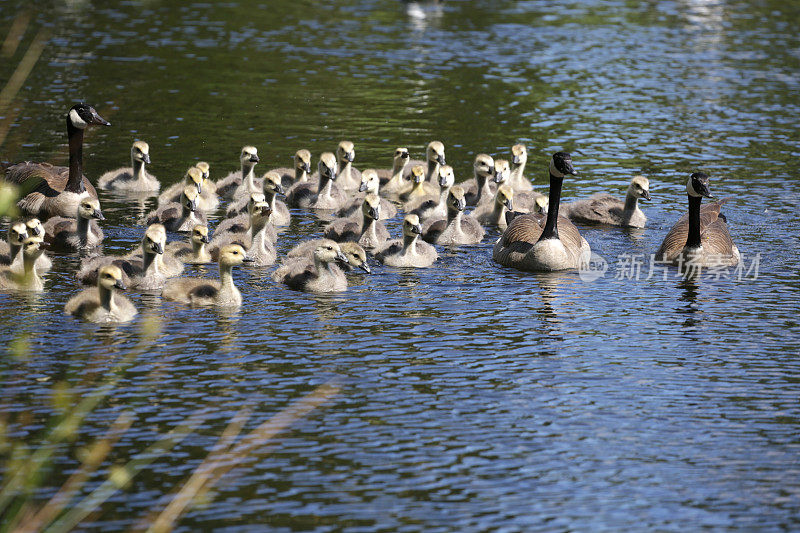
[(603, 208), (207, 292), (349, 177), (102, 304), (36, 229), (241, 182), (133, 178), (272, 188), (494, 214), (700, 238), (525, 201), (420, 189), (433, 207), (256, 239), (393, 181), (434, 158), (208, 186), (409, 251), (370, 184), (26, 279), (457, 228), (10, 248), (181, 216), (320, 273), (58, 190), (299, 173), (366, 229), (479, 188), (534, 242), (324, 194), (76, 233), (517, 179), (241, 223), (356, 255), (194, 252), (207, 199)]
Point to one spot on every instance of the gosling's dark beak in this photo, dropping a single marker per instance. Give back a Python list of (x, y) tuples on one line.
[(461, 204), (417, 228), (375, 213), (442, 180), (194, 205), (362, 187), (254, 159), (36, 230), (248, 260), (646, 195), (120, 285), (509, 204), (498, 177), (146, 158), (404, 155), (199, 187), (440, 159), (365, 267), (516, 159), (341, 258), (279, 189), (206, 239), (350, 156), (266, 210), (305, 167), (569, 169), (158, 248), (98, 214), (97, 120)]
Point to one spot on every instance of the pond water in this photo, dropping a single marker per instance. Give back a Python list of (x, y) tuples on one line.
[(473, 397)]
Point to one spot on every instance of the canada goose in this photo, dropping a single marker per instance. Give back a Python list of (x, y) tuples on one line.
[(393, 181), (241, 223), (322, 195), (204, 292), (434, 158), (480, 189), (533, 242), (457, 228), (319, 273), (517, 179), (181, 216), (241, 182), (145, 270), (370, 184), (409, 251), (349, 178), (603, 208), (700, 237), (195, 251), (272, 188), (299, 173), (133, 178), (207, 199), (525, 201), (36, 229), (420, 189), (28, 279), (366, 229), (257, 239), (356, 255), (57, 190), (101, 303), (10, 248), (494, 214), (432, 207), (76, 233)]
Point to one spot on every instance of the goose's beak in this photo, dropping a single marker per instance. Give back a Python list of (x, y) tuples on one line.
[(440, 159), (98, 214), (362, 187), (254, 159), (509, 204), (365, 267), (146, 158), (120, 285), (97, 120), (205, 239), (646, 195), (158, 248), (516, 159), (341, 258)]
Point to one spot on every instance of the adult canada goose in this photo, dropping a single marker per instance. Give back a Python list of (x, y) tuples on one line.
[(207, 199), (242, 223), (324, 194), (479, 189), (205, 292), (433, 207), (272, 188), (28, 279), (356, 255), (494, 214), (517, 179), (409, 251), (146, 270), (181, 216), (349, 177), (299, 173), (458, 228), (133, 178), (536, 243), (195, 251), (420, 189), (393, 181), (700, 238), (102, 304), (58, 190), (256, 239), (76, 233), (434, 158), (319, 273), (366, 229), (370, 184), (241, 182), (603, 208)]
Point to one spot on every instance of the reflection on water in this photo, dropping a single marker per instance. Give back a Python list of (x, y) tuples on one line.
[(474, 397)]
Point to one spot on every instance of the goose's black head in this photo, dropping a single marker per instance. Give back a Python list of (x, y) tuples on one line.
[(561, 165), (83, 115), (697, 185)]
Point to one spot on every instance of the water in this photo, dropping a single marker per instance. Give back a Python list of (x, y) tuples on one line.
[(473, 397)]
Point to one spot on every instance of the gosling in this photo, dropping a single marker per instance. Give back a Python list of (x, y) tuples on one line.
[(318, 274), (458, 228), (205, 292), (433, 207), (241, 182), (194, 252), (272, 188), (603, 208), (409, 251), (420, 189), (133, 178), (79, 233), (28, 279), (256, 240), (480, 187), (393, 181), (197, 177), (300, 172), (494, 214), (366, 230), (325, 194), (370, 184), (102, 304), (181, 216), (356, 255)]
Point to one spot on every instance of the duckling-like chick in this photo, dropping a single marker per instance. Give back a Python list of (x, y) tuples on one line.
[(241, 223), (205, 292), (409, 251), (319, 273), (133, 178), (356, 255), (10, 248), (322, 195), (480, 187), (195, 251), (517, 179), (349, 177), (494, 214), (102, 304), (195, 176), (420, 189), (458, 228), (525, 201), (181, 216), (145, 270), (433, 207), (272, 188), (76, 233), (256, 239), (299, 173), (434, 158), (28, 279), (603, 208), (370, 184), (393, 181), (366, 230), (241, 182), (36, 229)]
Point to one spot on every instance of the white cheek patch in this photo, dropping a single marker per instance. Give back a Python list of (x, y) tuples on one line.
[(690, 188), (76, 119), (554, 171)]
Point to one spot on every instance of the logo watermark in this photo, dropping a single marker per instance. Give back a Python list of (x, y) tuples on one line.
[(645, 267)]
